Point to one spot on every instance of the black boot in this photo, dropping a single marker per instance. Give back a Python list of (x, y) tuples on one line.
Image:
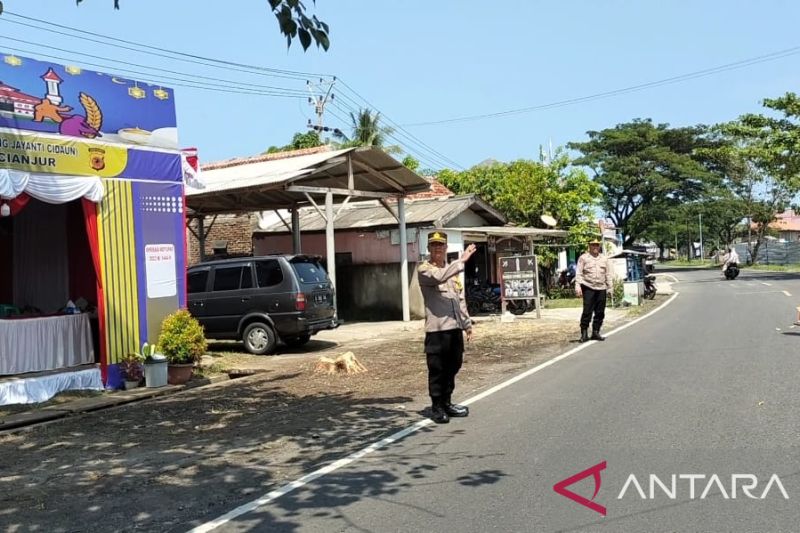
[(584, 334), (439, 414), (455, 410), (596, 335)]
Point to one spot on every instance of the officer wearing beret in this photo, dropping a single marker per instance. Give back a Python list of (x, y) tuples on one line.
[(446, 323), (593, 279)]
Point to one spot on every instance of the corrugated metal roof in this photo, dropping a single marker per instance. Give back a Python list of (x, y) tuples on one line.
[(436, 212), (514, 231), (261, 185)]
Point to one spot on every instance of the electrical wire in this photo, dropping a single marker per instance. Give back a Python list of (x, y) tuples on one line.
[(146, 79), (400, 135), (633, 88), (229, 83), (156, 51)]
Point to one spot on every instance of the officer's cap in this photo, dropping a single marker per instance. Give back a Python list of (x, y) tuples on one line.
[(437, 236)]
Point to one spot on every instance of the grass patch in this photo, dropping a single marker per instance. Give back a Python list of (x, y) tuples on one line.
[(563, 303), (685, 263)]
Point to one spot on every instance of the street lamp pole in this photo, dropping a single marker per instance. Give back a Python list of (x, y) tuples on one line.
[(702, 254)]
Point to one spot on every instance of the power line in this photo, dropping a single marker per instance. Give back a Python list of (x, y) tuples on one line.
[(156, 51), (205, 61), (633, 88), (147, 79), (238, 84)]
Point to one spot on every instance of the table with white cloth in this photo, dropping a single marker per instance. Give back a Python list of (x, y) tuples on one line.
[(37, 344)]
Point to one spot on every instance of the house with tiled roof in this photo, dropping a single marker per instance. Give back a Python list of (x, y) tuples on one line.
[(787, 224)]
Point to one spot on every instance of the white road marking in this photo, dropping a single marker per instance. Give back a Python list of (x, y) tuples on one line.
[(787, 293), (352, 458), (760, 292), (767, 284), (674, 279)]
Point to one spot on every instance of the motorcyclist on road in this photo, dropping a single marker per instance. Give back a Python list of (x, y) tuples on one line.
[(731, 258)]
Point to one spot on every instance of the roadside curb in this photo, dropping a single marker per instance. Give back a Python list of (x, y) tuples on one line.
[(55, 412)]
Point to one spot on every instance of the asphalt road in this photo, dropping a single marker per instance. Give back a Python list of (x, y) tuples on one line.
[(708, 385)]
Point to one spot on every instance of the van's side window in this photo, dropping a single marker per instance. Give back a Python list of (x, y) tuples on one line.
[(269, 273), (197, 281), (247, 277), (227, 278)]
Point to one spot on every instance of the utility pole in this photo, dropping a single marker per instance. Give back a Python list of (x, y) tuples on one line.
[(321, 93)]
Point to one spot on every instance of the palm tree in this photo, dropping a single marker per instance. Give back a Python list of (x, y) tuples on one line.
[(368, 131)]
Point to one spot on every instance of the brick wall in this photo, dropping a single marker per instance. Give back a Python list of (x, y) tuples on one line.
[(237, 230)]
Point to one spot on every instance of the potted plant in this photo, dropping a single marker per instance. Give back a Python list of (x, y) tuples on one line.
[(183, 342), (131, 368)]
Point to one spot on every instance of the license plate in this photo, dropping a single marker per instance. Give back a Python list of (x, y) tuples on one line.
[(320, 298)]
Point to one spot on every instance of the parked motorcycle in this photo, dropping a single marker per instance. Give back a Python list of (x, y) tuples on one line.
[(482, 298), (649, 287), (732, 272), (566, 279), (520, 307)]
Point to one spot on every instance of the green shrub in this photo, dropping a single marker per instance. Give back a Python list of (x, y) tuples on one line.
[(182, 338), (618, 292)]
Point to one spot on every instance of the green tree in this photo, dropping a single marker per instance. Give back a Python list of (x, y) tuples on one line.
[(525, 190), (293, 22), (300, 140), (765, 152), (367, 130), (638, 164), (410, 163)]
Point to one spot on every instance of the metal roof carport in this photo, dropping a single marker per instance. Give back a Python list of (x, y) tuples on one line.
[(291, 182)]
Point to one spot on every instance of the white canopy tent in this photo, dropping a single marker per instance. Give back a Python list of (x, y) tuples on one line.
[(353, 174), (50, 188)]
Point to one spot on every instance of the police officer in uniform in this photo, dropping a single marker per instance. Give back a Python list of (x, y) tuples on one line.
[(446, 323), (593, 279)]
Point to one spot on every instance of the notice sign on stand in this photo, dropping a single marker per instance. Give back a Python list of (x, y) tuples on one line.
[(519, 277), (160, 270)]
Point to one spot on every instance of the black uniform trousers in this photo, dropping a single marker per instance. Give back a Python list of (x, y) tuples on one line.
[(594, 302), (445, 353)]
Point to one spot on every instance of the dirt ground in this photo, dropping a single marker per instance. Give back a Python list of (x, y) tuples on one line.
[(167, 463)]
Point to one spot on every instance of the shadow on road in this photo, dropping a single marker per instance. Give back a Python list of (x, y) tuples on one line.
[(330, 499), (158, 465)]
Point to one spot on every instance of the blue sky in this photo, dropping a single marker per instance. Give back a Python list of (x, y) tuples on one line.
[(420, 60)]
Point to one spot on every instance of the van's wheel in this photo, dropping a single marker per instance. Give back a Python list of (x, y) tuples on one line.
[(296, 342), (259, 339)]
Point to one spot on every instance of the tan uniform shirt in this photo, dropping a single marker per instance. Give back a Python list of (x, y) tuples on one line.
[(594, 272), (443, 293)]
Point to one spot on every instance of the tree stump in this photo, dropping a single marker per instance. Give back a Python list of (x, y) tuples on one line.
[(344, 364)]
